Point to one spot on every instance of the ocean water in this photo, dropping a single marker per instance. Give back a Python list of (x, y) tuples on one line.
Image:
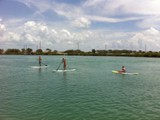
[(92, 92)]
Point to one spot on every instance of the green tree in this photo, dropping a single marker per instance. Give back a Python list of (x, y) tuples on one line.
[(29, 51), (93, 51), (39, 51), (13, 52), (23, 51), (54, 52), (1, 51), (48, 50)]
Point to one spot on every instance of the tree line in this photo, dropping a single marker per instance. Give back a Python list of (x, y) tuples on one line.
[(27, 51), (93, 52)]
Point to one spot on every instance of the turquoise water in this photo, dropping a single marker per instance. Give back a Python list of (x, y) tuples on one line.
[(92, 92)]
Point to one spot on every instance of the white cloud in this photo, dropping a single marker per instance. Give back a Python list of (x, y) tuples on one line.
[(153, 21), (83, 15), (82, 22), (11, 36), (113, 20), (139, 40), (7, 36), (112, 7), (149, 37), (2, 28), (65, 32), (101, 11), (32, 32), (150, 7), (36, 32)]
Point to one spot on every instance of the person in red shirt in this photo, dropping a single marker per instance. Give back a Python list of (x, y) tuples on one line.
[(123, 70)]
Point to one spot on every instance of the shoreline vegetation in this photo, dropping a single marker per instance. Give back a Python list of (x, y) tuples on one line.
[(93, 52)]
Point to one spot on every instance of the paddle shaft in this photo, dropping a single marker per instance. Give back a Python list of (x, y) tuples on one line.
[(40, 62), (43, 64), (59, 65)]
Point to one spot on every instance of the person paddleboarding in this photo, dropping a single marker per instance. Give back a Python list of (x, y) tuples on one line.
[(64, 61), (123, 70), (40, 60)]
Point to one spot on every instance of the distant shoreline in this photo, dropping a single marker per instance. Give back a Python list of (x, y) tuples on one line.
[(93, 52), (82, 55)]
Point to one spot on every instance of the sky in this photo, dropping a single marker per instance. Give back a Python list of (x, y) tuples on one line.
[(91, 24)]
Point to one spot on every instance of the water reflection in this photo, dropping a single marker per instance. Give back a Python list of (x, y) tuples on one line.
[(64, 75), (39, 70), (123, 77)]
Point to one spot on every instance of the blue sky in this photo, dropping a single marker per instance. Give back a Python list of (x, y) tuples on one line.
[(62, 24)]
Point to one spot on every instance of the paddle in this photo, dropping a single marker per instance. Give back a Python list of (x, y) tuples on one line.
[(44, 64), (59, 65)]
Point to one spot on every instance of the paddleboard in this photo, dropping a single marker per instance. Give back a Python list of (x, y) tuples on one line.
[(40, 66), (68, 70), (124, 73), (115, 71)]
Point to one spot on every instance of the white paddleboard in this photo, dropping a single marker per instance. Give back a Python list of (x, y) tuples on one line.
[(130, 73), (68, 70), (40, 66), (123, 73)]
